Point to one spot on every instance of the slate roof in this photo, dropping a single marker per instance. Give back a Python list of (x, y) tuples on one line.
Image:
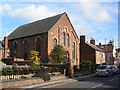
[(109, 48), (94, 47), (37, 27)]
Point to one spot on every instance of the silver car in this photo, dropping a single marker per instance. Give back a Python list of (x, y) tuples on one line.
[(104, 70), (115, 69)]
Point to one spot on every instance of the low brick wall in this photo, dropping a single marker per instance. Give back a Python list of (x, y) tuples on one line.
[(81, 74), (29, 82)]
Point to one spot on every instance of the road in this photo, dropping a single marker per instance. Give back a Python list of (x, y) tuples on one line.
[(96, 82)]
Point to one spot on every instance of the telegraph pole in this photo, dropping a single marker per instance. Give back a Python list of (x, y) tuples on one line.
[(106, 50)]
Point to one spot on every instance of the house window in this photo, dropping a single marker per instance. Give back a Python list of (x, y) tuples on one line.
[(103, 55), (15, 49), (98, 54), (38, 43), (63, 39), (73, 51), (54, 42), (25, 49), (67, 40)]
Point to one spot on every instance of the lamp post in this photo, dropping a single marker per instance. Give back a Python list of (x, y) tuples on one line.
[(106, 50)]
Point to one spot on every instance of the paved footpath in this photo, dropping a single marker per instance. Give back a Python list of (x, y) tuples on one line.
[(57, 83)]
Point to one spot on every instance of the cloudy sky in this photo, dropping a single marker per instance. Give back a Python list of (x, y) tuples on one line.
[(97, 19)]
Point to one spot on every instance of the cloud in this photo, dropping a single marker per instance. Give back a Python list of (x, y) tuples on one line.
[(94, 11), (32, 12), (4, 7)]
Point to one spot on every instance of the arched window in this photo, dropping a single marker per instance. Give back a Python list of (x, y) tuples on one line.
[(54, 42), (38, 43), (67, 39), (63, 39), (73, 51), (25, 50), (15, 49)]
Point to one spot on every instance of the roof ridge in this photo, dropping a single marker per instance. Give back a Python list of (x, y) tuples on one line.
[(94, 46), (39, 26)]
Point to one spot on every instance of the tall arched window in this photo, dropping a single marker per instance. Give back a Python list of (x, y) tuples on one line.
[(67, 39), (73, 51), (39, 45), (25, 50), (54, 42), (63, 39), (15, 49)]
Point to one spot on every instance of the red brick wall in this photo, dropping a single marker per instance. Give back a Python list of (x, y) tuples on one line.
[(64, 23), (6, 46), (31, 46), (86, 52)]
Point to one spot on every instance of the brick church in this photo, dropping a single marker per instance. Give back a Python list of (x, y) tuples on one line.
[(42, 36)]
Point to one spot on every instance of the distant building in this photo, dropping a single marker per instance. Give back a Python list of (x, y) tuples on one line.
[(110, 51), (4, 50), (89, 52), (1, 50)]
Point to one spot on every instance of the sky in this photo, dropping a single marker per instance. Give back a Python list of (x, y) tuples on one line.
[(96, 19)]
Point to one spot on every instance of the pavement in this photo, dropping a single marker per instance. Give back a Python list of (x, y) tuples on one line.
[(51, 84), (101, 83)]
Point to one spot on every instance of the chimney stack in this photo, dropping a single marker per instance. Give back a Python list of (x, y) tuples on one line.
[(5, 46), (82, 39), (92, 41)]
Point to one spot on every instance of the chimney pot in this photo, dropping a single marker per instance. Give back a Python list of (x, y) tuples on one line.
[(92, 41)]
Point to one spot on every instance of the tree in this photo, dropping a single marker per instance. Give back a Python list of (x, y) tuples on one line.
[(34, 57), (116, 54), (58, 55)]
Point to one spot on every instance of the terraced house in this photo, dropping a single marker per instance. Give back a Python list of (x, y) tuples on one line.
[(90, 52), (42, 36)]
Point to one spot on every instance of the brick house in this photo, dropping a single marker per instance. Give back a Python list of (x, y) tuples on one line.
[(4, 50), (89, 51), (43, 35), (110, 55)]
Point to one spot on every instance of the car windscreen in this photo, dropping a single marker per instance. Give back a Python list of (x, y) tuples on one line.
[(101, 67)]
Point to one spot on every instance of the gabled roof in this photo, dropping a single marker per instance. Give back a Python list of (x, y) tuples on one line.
[(37, 27), (109, 48), (94, 46)]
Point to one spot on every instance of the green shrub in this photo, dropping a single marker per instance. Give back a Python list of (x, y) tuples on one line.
[(23, 77)]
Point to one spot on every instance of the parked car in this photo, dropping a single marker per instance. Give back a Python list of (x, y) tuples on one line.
[(104, 70), (119, 69), (115, 69)]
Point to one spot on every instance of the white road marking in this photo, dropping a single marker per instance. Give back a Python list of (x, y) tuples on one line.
[(113, 79), (95, 86)]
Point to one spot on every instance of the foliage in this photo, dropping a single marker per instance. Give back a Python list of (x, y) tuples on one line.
[(86, 65), (34, 57), (57, 55), (45, 76), (14, 67), (23, 77), (104, 64), (42, 75), (87, 62), (116, 54)]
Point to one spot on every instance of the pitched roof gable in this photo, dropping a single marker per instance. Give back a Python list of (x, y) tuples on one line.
[(37, 27), (94, 47)]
